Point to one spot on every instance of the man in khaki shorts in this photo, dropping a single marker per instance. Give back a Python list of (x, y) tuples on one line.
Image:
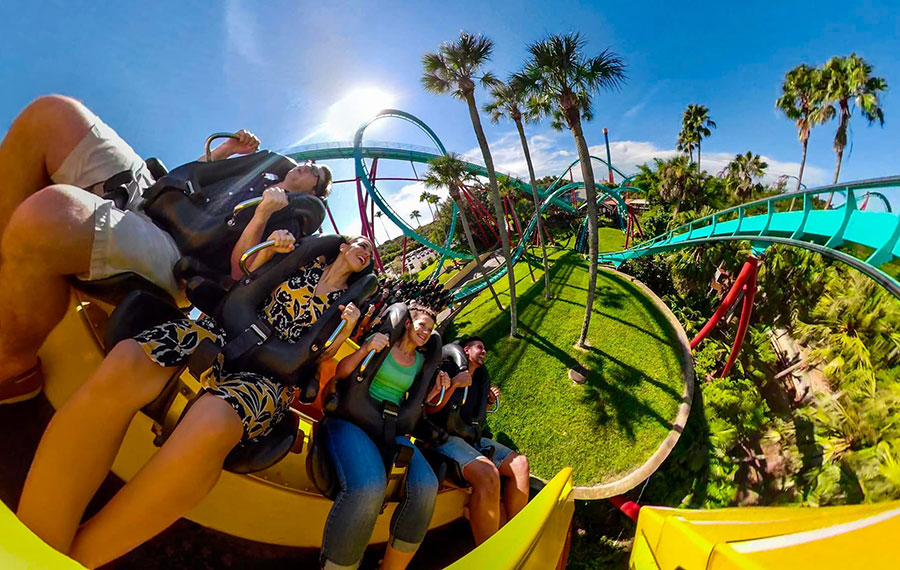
[(54, 225)]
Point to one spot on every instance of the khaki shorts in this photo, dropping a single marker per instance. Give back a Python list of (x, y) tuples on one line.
[(124, 240)]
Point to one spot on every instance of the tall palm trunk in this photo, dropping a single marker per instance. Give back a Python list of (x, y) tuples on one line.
[(587, 172), (840, 141), (698, 160), (537, 206), (499, 214), (805, 143), (468, 233)]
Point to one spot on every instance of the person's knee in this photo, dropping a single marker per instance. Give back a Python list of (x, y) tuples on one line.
[(483, 476), (220, 426), (127, 377), (366, 489), (49, 218), (520, 467), (50, 113)]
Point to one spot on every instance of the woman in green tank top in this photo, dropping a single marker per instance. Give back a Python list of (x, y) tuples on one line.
[(359, 464)]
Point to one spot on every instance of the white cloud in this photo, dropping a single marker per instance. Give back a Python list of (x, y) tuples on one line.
[(550, 160), (402, 202), (241, 30)]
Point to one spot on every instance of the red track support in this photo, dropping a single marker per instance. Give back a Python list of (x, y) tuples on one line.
[(368, 230), (630, 508), (330, 217), (746, 284), (744, 323)]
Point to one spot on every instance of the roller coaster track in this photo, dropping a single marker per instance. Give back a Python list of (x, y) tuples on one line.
[(413, 154), (769, 221)]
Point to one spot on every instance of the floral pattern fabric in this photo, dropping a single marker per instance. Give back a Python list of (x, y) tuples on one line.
[(259, 401)]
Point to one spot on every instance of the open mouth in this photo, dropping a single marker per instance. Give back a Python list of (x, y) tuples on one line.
[(362, 259)]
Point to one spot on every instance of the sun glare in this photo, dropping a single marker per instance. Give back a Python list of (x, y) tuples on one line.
[(345, 115)]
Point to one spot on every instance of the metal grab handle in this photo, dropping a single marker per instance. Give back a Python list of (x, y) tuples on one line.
[(215, 136), (243, 205), (335, 334), (496, 406), (441, 399), (251, 252), (365, 363), (465, 395)]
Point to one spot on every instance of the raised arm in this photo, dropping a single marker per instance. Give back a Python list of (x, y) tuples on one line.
[(273, 199), (244, 144), (461, 380), (349, 363), (349, 313)]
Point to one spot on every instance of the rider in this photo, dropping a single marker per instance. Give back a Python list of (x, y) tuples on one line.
[(483, 474), (53, 162), (83, 437), (359, 464)]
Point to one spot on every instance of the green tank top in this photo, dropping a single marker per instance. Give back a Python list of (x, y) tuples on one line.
[(393, 380)]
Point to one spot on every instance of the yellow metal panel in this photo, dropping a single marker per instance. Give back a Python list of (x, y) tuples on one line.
[(21, 549), (691, 540), (868, 542), (535, 537), (641, 555)]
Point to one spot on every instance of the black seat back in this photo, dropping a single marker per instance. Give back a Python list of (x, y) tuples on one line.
[(138, 311), (265, 451)]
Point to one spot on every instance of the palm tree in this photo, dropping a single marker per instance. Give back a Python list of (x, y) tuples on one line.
[(434, 200), (425, 197), (379, 215), (741, 171), (508, 100), (849, 79), (449, 172), (801, 101), (454, 69), (414, 215), (676, 179), (695, 125), (562, 80)]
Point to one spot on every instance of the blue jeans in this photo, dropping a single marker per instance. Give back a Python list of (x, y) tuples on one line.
[(360, 473)]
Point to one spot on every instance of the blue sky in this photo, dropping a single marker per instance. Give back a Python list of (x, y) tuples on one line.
[(166, 74)]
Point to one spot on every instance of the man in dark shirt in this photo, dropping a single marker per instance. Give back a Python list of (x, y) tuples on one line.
[(466, 445)]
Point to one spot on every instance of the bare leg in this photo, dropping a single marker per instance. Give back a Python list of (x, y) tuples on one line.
[(395, 559), (515, 496), (80, 444), (484, 505), (48, 238), (176, 479), (37, 143)]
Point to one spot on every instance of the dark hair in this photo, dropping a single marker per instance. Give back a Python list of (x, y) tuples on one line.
[(464, 342), (323, 185), (365, 270)]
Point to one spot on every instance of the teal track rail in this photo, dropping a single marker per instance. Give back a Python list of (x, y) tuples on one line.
[(811, 227), (358, 151), (477, 285)]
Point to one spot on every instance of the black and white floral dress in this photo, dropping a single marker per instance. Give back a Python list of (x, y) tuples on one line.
[(260, 402)]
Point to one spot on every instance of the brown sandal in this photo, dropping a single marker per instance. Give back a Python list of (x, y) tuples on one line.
[(23, 387)]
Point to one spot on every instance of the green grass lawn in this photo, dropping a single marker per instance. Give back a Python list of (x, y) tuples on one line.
[(615, 421)]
